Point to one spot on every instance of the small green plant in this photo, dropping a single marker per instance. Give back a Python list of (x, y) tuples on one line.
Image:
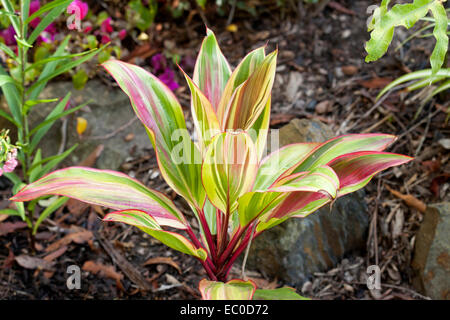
[(140, 15), (22, 95), (382, 29), (8, 153), (233, 192)]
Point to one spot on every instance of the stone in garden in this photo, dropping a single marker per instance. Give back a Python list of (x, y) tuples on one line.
[(295, 249), (431, 262), (109, 111), (293, 86)]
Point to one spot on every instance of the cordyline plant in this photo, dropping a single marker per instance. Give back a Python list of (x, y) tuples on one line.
[(234, 193)]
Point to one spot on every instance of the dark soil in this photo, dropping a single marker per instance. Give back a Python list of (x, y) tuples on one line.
[(327, 51)]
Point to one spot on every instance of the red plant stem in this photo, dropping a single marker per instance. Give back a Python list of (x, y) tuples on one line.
[(207, 264), (226, 269), (231, 245), (210, 273), (218, 226), (220, 233), (240, 249), (224, 233), (208, 235)]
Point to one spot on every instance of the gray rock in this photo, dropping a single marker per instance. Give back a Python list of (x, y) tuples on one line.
[(295, 249), (292, 89), (431, 262), (110, 110)]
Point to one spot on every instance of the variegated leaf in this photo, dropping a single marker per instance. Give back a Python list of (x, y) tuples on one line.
[(106, 188), (355, 170), (158, 109), (322, 180), (243, 71), (232, 290), (210, 213), (255, 204), (296, 204), (250, 98), (260, 130), (177, 242), (205, 119), (229, 169), (212, 70), (148, 224), (133, 217), (333, 148), (279, 161)]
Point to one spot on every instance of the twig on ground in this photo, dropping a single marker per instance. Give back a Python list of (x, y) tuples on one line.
[(424, 136), (398, 288), (369, 112), (128, 269), (376, 125), (419, 123)]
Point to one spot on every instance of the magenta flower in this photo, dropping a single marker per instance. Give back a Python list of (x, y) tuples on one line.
[(8, 36), (79, 8), (158, 62), (51, 28), (166, 75), (45, 37), (105, 39), (122, 34), (34, 6), (168, 78), (106, 26), (1, 172), (48, 35)]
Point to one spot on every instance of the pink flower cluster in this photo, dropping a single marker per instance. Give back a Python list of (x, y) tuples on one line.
[(10, 163), (106, 29), (79, 8)]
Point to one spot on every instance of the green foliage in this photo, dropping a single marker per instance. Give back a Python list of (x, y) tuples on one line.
[(22, 81), (140, 15), (80, 78), (385, 21), (382, 29), (6, 147)]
